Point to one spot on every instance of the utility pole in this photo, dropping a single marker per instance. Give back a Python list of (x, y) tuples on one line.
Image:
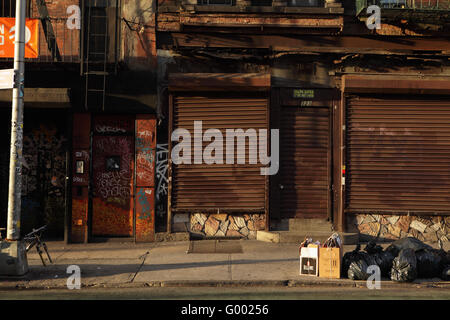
[(16, 263), (15, 162)]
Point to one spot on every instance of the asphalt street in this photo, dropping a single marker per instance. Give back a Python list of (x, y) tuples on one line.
[(223, 293)]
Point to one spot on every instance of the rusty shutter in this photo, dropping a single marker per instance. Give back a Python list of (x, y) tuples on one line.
[(219, 186), (305, 156), (398, 153)]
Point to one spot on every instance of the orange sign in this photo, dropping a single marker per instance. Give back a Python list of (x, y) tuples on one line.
[(7, 38)]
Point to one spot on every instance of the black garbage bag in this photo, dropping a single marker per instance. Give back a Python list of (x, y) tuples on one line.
[(372, 247), (404, 266), (358, 268), (382, 259), (348, 258), (446, 273), (428, 263), (446, 258), (407, 243)]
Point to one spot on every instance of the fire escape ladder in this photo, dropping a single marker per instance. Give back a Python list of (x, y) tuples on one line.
[(96, 54)]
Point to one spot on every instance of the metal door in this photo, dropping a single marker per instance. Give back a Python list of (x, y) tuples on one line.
[(305, 162), (113, 169)]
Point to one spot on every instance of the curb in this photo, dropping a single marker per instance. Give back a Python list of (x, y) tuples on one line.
[(234, 284)]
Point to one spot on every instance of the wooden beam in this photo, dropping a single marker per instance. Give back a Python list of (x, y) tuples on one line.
[(313, 43), (219, 81), (395, 84), (41, 97)]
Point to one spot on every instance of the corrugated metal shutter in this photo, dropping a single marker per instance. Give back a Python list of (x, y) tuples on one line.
[(398, 153), (219, 186), (305, 153)]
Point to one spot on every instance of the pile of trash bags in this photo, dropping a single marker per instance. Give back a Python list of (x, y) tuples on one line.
[(404, 260)]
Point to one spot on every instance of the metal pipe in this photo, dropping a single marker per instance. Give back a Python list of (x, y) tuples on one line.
[(82, 31), (15, 164)]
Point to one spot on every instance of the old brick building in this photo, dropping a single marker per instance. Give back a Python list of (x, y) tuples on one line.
[(92, 83), (52, 89), (362, 114)]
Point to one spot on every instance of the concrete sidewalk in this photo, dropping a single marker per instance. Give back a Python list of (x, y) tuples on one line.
[(114, 264)]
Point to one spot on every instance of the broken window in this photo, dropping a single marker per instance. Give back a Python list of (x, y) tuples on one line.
[(261, 3), (8, 8)]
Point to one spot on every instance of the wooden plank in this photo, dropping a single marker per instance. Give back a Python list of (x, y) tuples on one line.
[(317, 43), (219, 81), (395, 84), (41, 97)]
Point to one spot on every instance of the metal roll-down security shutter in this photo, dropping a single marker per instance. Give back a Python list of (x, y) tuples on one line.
[(219, 186), (305, 156), (398, 153)]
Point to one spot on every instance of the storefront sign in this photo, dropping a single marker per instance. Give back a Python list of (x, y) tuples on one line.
[(302, 93), (7, 79), (7, 38)]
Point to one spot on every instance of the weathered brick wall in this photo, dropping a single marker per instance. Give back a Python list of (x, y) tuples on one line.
[(68, 40), (138, 34)]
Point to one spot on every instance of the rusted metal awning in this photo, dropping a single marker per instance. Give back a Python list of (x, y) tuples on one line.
[(395, 84), (219, 81)]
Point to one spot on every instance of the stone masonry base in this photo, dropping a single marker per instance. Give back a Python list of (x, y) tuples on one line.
[(392, 227), (227, 225)]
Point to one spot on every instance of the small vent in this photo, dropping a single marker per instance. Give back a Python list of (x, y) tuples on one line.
[(305, 3), (216, 2), (261, 3)]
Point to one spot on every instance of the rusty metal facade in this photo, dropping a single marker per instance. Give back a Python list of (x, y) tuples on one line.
[(144, 218), (397, 154), (113, 177)]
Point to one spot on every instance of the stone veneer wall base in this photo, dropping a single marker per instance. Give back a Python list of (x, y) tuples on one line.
[(227, 225), (429, 229)]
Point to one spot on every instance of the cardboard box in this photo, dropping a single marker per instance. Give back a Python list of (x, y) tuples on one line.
[(330, 260), (309, 258)]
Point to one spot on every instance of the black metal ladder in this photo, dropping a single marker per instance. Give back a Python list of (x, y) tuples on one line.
[(95, 71)]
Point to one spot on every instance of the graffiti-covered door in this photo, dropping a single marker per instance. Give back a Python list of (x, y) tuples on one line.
[(113, 169)]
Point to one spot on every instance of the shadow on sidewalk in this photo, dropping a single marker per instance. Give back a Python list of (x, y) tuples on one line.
[(58, 271)]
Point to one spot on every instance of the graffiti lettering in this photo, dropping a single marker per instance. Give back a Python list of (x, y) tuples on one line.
[(114, 184), (113, 125), (162, 165), (162, 158), (145, 133), (78, 179), (44, 154), (109, 129)]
